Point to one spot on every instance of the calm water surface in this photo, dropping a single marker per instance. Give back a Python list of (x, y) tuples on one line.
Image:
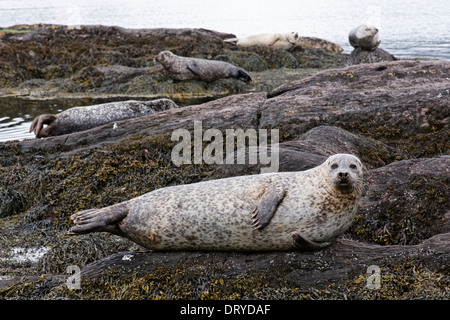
[(415, 28)]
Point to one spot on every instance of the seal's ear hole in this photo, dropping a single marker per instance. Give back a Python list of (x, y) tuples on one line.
[(381, 68), (334, 166)]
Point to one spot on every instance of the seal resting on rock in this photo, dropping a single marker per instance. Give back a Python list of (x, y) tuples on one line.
[(285, 41), (274, 40), (84, 118), (364, 40), (364, 37), (317, 43), (303, 210), (183, 68)]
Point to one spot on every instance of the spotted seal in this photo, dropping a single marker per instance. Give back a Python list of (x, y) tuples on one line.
[(87, 117), (184, 68), (317, 43), (364, 37), (303, 210), (285, 41), (275, 40)]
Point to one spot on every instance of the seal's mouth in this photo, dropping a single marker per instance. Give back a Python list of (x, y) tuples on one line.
[(343, 182)]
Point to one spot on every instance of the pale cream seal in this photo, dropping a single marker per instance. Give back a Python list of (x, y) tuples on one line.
[(275, 40)]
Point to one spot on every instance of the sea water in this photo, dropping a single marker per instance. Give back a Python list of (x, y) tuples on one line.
[(415, 28)]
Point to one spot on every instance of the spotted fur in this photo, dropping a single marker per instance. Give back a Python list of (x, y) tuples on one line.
[(83, 118), (316, 205), (184, 68)]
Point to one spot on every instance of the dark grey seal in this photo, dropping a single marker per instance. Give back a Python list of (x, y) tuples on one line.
[(304, 210), (364, 37), (84, 118), (183, 68)]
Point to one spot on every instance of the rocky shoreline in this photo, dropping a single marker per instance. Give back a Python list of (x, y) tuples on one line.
[(49, 61), (393, 115)]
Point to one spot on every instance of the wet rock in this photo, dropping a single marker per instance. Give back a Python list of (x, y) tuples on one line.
[(359, 56), (310, 150), (404, 202)]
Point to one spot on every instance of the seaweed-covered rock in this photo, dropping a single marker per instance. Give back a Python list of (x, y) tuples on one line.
[(358, 56), (11, 202), (394, 115), (405, 202), (44, 61)]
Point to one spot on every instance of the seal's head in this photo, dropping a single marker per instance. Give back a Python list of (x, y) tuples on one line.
[(292, 37), (369, 30), (366, 31), (343, 172), (164, 57)]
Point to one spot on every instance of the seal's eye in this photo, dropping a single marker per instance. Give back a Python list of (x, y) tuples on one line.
[(334, 166), (353, 166)]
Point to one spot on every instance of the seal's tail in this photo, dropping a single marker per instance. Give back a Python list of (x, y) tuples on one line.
[(99, 220)]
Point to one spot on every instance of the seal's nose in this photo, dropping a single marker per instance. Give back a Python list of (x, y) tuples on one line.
[(343, 175)]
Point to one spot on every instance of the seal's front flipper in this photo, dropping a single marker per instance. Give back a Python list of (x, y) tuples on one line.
[(99, 220), (307, 245), (38, 123), (194, 69), (376, 46), (267, 205)]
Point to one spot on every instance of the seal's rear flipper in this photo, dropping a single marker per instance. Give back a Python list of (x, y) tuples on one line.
[(99, 220), (231, 40), (307, 245), (243, 75)]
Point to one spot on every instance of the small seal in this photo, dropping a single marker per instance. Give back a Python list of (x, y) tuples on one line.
[(317, 43), (274, 40), (84, 118), (303, 210), (364, 37), (183, 68)]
